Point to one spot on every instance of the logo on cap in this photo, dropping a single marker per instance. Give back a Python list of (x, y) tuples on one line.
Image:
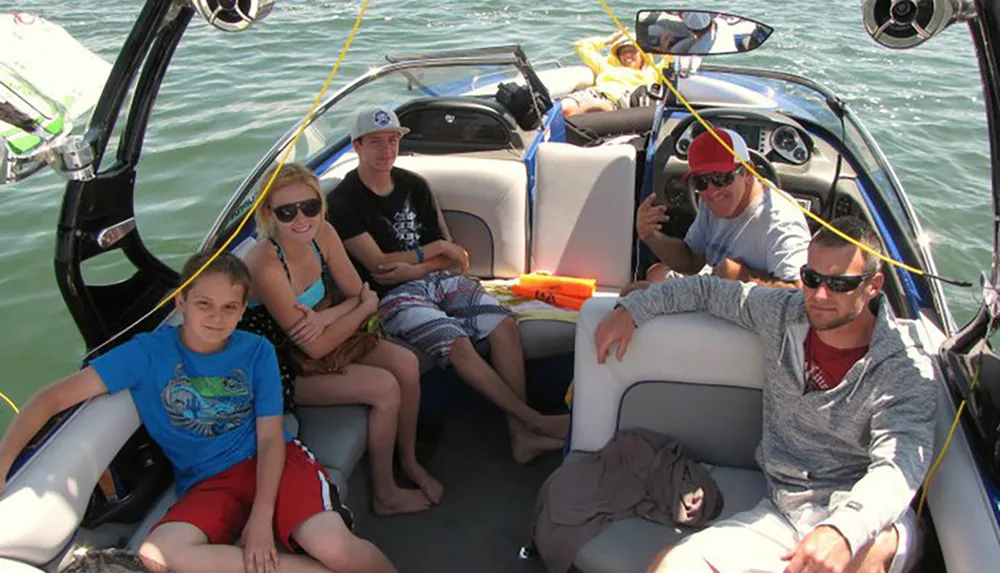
[(381, 118)]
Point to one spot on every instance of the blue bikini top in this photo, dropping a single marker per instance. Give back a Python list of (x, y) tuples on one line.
[(316, 291)]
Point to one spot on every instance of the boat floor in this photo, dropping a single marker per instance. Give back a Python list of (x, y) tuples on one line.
[(487, 510)]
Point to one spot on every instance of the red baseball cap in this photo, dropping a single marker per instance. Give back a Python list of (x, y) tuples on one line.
[(706, 155)]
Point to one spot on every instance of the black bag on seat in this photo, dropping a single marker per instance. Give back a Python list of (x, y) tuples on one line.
[(526, 109)]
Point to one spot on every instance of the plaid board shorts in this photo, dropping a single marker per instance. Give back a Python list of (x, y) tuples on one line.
[(431, 312)]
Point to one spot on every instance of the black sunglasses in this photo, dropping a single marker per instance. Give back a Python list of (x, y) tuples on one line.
[(836, 283), (286, 213), (701, 182)]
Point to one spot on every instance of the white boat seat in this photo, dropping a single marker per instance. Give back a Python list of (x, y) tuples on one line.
[(672, 381), (584, 208), (44, 502)]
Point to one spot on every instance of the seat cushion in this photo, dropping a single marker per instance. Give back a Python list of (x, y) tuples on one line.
[(337, 435), (631, 544), (584, 208)]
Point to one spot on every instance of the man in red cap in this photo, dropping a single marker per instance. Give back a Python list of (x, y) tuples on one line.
[(741, 231)]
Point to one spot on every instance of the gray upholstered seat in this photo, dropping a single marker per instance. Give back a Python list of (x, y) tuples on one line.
[(672, 382), (338, 435), (631, 544)]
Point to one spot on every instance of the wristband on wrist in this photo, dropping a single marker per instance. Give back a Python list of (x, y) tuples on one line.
[(420, 254)]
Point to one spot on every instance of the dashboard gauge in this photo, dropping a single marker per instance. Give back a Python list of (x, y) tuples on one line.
[(784, 139), (787, 142)]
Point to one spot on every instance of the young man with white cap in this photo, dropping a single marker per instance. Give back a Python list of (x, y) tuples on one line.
[(394, 231), (743, 231)]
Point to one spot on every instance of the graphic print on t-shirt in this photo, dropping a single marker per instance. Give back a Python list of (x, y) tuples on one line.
[(207, 405), (406, 227), (816, 379)]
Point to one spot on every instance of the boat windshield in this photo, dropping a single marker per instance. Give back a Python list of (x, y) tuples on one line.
[(408, 78), (393, 88), (393, 85)]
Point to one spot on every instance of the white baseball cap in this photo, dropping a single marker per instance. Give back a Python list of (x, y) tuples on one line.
[(696, 21), (372, 119)]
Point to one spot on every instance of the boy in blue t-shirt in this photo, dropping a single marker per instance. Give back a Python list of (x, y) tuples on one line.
[(210, 396)]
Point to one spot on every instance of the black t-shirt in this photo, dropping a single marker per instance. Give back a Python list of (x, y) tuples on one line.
[(400, 221)]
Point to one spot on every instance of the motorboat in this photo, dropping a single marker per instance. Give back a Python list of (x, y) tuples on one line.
[(524, 189)]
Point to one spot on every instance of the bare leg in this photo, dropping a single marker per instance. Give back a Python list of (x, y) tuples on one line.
[(378, 388), (507, 358), (575, 109), (404, 367), (478, 374), (325, 537), (183, 548), (570, 107)]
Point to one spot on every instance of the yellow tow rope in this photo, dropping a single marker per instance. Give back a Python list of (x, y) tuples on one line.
[(746, 165), (10, 403)]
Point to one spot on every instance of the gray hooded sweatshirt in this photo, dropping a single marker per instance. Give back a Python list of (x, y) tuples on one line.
[(851, 457)]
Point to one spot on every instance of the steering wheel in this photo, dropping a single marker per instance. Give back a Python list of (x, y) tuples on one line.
[(680, 198)]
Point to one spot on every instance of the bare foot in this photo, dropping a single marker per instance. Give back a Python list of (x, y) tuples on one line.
[(526, 446), (427, 483), (398, 501), (552, 426)]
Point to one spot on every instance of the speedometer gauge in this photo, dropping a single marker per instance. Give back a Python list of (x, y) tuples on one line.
[(784, 139), (787, 142)]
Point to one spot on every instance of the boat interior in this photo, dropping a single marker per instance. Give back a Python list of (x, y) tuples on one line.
[(558, 197)]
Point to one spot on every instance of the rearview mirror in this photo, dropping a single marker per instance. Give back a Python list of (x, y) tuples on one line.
[(697, 32)]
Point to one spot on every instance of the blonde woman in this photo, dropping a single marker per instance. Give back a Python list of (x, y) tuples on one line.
[(299, 261)]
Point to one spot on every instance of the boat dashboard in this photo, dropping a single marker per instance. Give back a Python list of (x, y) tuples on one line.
[(781, 149), (779, 140)]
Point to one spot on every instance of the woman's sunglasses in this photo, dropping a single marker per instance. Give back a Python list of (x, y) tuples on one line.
[(286, 213), (836, 283), (701, 182)]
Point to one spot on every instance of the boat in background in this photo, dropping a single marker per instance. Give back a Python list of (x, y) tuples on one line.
[(48, 80)]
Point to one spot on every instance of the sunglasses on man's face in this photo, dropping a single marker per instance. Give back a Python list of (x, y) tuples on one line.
[(286, 213), (836, 283), (701, 182)]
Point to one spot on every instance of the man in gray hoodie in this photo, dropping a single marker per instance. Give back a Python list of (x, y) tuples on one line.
[(849, 398)]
